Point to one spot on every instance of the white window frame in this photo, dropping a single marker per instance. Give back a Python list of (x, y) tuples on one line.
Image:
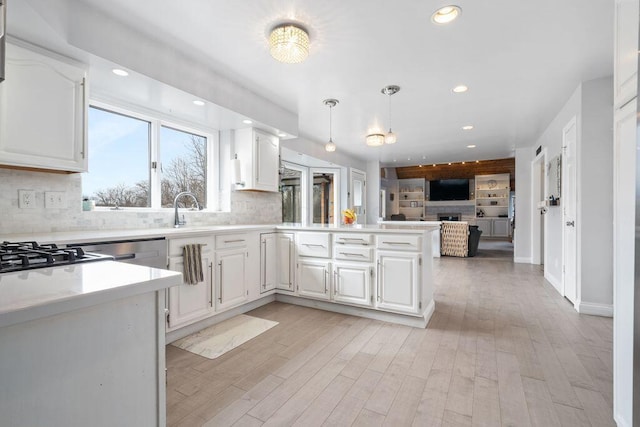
[(304, 189), (155, 146), (336, 172)]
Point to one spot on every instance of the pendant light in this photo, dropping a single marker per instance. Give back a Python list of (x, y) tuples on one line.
[(330, 146), (390, 137)]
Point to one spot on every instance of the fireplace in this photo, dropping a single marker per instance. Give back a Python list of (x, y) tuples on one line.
[(449, 217)]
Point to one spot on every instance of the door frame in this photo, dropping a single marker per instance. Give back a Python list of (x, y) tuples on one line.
[(573, 122), (536, 233), (304, 189), (336, 193), (353, 171)]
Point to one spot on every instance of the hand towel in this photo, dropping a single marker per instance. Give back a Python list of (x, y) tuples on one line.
[(192, 268)]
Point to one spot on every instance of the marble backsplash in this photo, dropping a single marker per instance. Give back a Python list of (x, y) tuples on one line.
[(247, 207)]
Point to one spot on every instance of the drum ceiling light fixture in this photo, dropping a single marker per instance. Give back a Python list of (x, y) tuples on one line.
[(289, 43)]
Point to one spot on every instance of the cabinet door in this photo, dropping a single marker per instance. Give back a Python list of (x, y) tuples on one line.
[(231, 280), (314, 278), (285, 261), (352, 283), (190, 303), (500, 227), (43, 110), (484, 225), (268, 262), (267, 160), (398, 279), (625, 51)]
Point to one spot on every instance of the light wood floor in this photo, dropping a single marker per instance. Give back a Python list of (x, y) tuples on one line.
[(503, 348)]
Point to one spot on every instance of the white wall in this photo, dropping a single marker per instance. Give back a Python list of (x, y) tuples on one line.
[(591, 104), (596, 192)]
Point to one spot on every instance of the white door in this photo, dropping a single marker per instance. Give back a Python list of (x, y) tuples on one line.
[(352, 283), (569, 203), (313, 278), (398, 275), (268, 262), (285, 261), (231, 278), (357, 198), (190, 303)]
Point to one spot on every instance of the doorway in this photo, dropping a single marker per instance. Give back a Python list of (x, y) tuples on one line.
[(357, 199), (538, 191), (325, 190), (293, 193), (569, 210)]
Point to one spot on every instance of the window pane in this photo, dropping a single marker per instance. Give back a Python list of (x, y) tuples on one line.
[(184, 165), (323, 198), (291, 196), (118, 160)]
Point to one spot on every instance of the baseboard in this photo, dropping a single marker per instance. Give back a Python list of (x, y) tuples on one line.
[(407, 320), (522, 260), (217, 318), (621, 422), (554, 281), (594, 309)]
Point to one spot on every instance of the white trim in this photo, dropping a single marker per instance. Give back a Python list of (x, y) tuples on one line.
[(620, 421), (522, 260), (407, 320), (555, 282), (594, 309), (535, 230)]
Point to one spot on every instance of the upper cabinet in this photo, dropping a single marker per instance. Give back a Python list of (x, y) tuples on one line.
[(259, 156), (626, 51), (43, 112)]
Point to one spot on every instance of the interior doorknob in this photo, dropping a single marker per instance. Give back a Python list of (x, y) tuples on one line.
[(571, 223)]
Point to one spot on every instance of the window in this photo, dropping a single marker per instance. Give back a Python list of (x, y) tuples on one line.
[(141, 161)]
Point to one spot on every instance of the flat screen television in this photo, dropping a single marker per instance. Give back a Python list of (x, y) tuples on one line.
[(449, 189)]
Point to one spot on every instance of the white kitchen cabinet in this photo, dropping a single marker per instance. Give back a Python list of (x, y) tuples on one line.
[(43, 111), (190, 303), (231, 283), (352, 283), (285, 261), (268, 262), (314, 278), (625, 72), (398, 281), (259, 156), (484, 225)]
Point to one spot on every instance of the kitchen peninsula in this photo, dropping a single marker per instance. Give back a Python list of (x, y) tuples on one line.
[(83, 344)]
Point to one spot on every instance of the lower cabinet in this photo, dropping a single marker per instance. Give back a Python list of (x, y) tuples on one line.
[(352, 283), (277, 260), (500, 227), (398, 281), (314, 278), (231, 278), (190, 303)]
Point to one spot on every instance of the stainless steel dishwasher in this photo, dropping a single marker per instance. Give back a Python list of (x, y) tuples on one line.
[(148, 252)]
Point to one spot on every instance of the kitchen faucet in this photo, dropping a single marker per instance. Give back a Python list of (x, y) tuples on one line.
[(177, 222)]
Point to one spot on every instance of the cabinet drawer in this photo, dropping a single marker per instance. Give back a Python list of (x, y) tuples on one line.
[(176, 245), (353, 253), (224, 241), (314, 244), (399, 242), (353, 238)]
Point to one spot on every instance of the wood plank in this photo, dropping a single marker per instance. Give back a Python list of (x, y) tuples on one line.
[(486, 403), (368, 419), (406, 402), (325, 403), (348, 410), (541, 408), (513, 406), (460, 396), (595, 407)]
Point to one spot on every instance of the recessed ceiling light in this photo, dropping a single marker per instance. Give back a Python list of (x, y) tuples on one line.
[(467, 127), (477, 161), (247, 121), (198, 103), (282, 134), (419, 166), (449, 163), (446, 14), (463, 163), (434, 165), (394, 160), (120, 72), (471, 146), (460, 89)]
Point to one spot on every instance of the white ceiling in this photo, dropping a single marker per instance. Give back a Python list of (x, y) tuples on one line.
[(520, 59)]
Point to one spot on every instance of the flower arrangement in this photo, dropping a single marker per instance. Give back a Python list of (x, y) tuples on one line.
[(349, 216)]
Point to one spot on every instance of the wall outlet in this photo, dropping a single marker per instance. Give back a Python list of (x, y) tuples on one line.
[(55, 199), (26, 199)]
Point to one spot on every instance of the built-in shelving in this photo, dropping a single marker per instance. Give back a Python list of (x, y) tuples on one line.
[(411, 198)]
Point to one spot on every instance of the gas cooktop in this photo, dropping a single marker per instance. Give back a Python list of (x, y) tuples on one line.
[(18, 256)]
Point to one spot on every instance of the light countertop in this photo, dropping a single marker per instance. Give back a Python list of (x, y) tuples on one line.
[(86, 236), (34, 294)]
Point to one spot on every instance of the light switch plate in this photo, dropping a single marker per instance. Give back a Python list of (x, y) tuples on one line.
[(55, 199), (26, 199)]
